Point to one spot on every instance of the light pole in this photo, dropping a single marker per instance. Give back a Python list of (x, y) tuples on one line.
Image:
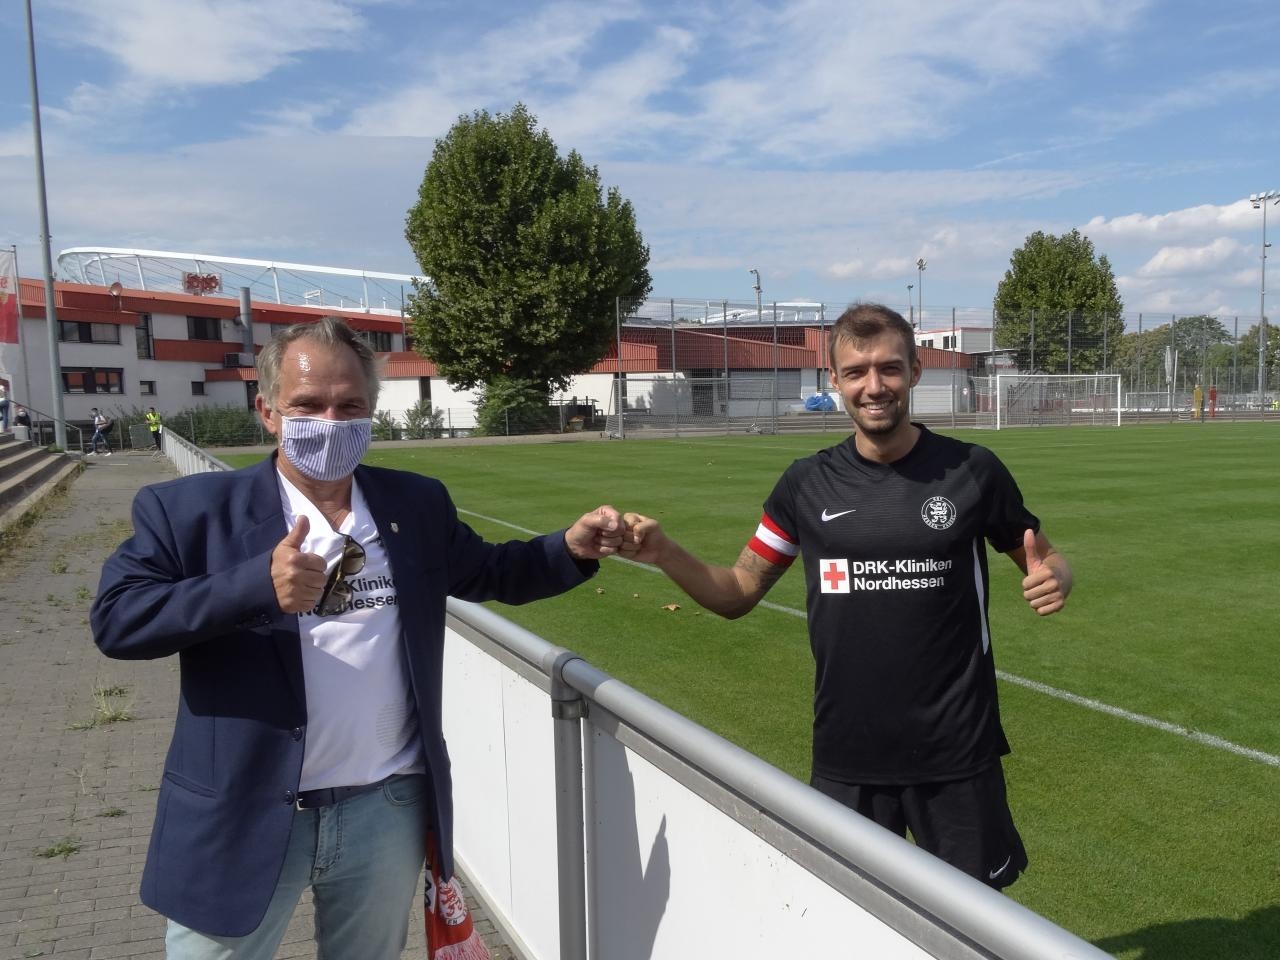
[(920, 265), (756, 273), (911, 304), (1263, 200), (50, 309)]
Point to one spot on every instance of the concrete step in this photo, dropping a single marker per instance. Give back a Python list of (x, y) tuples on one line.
[(29, 475), (15, 458)]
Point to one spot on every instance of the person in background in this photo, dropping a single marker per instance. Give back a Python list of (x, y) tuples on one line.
[(99, 427), (304, 598), (153, 424), (890, 525)]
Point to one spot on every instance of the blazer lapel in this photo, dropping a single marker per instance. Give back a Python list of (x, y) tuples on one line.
[(398, 526), (267, 518)]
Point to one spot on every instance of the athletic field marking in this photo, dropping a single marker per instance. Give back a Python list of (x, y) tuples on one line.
[(1208, 739), (1205, 739)]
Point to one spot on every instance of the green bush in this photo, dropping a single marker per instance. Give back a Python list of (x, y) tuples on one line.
[(422, 421), (220, 426), (384, 426), (513, 406)]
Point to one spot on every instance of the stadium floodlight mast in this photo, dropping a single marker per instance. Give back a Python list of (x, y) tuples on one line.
[(920, 265), (756, 287), (50, 307), (1263, 200), (911, 304)]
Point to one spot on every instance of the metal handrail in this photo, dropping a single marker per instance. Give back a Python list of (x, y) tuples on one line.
[(40, 415), (929, 902)]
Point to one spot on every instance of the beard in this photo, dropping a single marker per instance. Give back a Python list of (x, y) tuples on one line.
[(881, 425)]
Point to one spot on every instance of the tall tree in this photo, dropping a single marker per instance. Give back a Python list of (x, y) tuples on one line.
[(1248, 353), (1057, 307), (1204, 348), (525, 255)]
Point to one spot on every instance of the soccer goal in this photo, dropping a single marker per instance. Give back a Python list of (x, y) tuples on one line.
[(1035, 399)]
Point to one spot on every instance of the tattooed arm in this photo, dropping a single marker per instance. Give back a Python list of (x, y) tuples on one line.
[(728, 591)]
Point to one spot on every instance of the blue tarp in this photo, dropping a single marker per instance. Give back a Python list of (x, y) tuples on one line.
[(820, 402)]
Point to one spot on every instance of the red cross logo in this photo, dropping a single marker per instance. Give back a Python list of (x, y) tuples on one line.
[(835, 576)]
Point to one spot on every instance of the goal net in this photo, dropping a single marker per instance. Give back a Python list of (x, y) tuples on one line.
[(1035, 399)]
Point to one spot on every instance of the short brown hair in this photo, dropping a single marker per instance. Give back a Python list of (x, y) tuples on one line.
[(862, 321), (329, 331)]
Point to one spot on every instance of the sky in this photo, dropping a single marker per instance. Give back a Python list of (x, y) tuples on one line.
[(827, 144)]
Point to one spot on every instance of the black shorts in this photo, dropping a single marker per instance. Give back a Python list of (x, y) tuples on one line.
[(966, 822)]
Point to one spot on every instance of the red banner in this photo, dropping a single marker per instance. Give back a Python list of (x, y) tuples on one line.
[(8, 297)]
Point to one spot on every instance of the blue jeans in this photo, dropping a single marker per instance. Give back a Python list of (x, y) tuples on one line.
[(98, 435), (361, 857)]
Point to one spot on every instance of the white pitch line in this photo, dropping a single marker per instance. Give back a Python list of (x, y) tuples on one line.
[(1205, 739), (1208, 739)]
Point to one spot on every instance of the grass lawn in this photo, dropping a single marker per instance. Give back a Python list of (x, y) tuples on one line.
[(1151, 844)]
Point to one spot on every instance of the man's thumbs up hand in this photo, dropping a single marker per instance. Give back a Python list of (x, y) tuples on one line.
[(1041, 587), (298, 577)]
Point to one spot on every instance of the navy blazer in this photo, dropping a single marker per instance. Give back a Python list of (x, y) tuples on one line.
[(195, 580)]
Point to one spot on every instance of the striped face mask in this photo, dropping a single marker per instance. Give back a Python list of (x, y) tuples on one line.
[(325, 449)]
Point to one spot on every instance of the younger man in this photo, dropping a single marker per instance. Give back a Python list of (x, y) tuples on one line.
[(891, 524)]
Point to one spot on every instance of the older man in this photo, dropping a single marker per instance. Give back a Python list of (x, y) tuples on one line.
[(305, 599)]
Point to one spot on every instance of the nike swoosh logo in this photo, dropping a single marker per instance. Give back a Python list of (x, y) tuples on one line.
[(1000, 869), (831, 516)]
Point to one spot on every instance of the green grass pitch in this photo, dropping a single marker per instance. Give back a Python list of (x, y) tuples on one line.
[(1151, 844)]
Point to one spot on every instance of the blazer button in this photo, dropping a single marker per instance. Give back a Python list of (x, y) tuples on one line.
[(290, 796), (297, 733)]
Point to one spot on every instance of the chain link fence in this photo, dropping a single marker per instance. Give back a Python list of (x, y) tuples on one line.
[(676, 366)]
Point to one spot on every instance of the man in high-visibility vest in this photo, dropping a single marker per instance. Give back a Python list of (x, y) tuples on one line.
[(153, 424)]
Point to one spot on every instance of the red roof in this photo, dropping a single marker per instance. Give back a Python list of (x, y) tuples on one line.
[(96, 304), (645, 349)]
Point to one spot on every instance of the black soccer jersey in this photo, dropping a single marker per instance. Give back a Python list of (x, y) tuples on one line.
[(896, 575)]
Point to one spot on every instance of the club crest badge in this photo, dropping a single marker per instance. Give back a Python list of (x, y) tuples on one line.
[(939, 513)]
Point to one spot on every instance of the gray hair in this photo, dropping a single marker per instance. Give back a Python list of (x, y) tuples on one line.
[(327, 331)]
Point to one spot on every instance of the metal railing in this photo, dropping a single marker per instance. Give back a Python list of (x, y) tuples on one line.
[(43, 426), (189, 458), (932, 908)]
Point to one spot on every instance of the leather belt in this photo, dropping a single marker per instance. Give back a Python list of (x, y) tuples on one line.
[(328, 796)]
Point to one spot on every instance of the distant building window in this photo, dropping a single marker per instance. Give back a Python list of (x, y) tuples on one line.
[(147, 388), (197, 388), (204, 328), (92, 380), (72, 331), (378, 340), (142, 334)]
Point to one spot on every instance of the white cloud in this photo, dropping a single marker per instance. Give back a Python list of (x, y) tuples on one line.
[(520, 60), (1180, 261), (1190, 222), (846, 270), (160, 43), (802, 84), (1199, 94)]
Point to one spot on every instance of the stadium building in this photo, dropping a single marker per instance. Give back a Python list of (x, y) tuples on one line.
[(139, 328)]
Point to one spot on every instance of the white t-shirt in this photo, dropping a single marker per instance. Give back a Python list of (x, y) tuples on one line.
[(361, 721)]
